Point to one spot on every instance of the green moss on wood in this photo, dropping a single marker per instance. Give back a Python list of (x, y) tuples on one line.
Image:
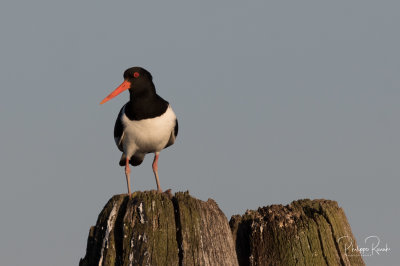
[(149, 230), (189, 217), (158, 229), (304, 232)]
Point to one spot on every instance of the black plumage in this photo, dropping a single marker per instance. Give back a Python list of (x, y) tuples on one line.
[(145, 124)]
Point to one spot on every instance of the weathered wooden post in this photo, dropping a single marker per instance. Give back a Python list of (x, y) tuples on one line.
[(161, 229), (305, 232)]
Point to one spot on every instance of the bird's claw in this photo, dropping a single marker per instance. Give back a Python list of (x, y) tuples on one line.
[(168, 193)]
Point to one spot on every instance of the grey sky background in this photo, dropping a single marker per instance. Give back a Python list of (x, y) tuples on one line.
[(276, 101)]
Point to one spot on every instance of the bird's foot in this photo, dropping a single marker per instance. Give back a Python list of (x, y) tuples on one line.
[(169, 193)]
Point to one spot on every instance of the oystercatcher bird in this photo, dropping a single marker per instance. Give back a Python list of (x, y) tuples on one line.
[(145, 124)]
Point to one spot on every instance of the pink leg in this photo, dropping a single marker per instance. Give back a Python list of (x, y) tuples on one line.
[(155, 170), (127, 173)]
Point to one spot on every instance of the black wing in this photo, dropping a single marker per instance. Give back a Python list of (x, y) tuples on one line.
[(174, 134), (119, 129), (176, 128)]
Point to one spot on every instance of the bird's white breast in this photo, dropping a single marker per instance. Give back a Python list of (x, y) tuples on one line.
[(147, 135)]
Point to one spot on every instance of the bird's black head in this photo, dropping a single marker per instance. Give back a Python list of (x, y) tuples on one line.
[(138, 81), (137, 73)]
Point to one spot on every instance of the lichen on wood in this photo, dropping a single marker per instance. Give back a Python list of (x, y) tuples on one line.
[(101, 247), (149, 230), (305, 232), (160, 229), (204, 232)]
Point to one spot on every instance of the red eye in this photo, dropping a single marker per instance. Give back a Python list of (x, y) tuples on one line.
[(136, 74)]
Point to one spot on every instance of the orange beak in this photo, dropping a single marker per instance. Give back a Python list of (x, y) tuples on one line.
[(126, 85)]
